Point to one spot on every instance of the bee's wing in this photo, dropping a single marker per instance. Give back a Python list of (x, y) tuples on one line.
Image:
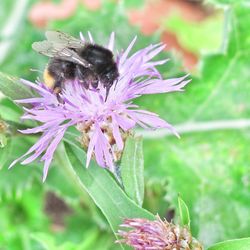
[(58, 37), (59, 50)]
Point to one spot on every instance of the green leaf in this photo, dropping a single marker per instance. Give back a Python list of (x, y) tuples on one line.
[(4, 152), (237, 244), (132, 169), (13, 88), (9, 111), (102, 187), (16, 180), (184, 212)]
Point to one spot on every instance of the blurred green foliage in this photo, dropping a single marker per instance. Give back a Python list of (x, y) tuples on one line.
[(210, 28), (210, 170)]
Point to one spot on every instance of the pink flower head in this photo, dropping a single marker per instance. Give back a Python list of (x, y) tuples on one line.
[(103, 123), (143, 234)]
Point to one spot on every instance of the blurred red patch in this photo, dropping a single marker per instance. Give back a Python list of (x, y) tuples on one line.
[(189, 59), (92, 4), (151, 17), (44, 11)]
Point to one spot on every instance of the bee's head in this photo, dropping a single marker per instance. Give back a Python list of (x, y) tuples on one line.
[(109, 78), (110, 75)]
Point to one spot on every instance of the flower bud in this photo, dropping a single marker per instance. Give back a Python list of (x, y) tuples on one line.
[(145, 234)]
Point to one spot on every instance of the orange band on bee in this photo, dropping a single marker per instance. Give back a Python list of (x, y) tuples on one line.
[(48, 79)]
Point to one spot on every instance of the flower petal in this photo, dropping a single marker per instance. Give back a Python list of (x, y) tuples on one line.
[(48, 156), (90, 37), (117, 133), (92, 144), (111, 41), (159, 86), (126, 52)]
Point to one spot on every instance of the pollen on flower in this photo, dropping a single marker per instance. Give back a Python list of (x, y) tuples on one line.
[(156, 235), (87, 130)]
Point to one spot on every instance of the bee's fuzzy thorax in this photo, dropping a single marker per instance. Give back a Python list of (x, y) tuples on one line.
[(72, 59)]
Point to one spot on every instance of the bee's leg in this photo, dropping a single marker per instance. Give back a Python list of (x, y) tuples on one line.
[(57, 87), (59, 84), (95, 81), (87, 77), (81, 76), (107, 86), (107, 93)]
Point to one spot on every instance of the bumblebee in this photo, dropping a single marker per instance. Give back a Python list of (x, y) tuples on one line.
[(73, 59)]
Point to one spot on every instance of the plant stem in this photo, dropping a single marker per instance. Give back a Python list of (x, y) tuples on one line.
[(196, 127), (11, 26)]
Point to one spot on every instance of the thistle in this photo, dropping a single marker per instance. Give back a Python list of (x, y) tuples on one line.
[(104, 122), (143, 234)]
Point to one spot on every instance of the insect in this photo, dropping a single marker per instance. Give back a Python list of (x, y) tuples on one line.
[(71, 58)]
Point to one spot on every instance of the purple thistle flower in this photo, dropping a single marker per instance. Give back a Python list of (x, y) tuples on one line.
[(143, 234), (104, 125)]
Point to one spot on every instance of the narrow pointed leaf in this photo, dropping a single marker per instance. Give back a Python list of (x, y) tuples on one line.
[(13, 88), (102, 187), (184, 212), (237, 244), (132, 169), (5, 150)]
